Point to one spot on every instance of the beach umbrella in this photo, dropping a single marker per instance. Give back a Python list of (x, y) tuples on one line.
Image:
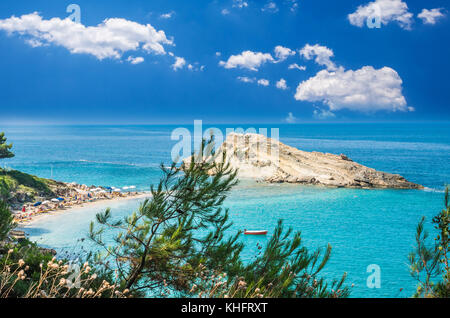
[(125, 188), (60, 199), (37, 203), (55, 200), (45, 202)]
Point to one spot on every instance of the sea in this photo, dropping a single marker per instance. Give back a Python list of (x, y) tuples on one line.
[(371, 231)]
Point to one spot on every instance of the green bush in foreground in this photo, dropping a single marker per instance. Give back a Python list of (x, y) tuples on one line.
[(429, 263), (177, 244), (5, 149), (6, 220)]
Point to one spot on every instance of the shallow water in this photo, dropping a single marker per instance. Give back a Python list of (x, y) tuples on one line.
[(363, 226)]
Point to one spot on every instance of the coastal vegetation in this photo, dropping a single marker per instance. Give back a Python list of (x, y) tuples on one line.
[(429, 262), (5, 149), (178, 244), (15, 184)]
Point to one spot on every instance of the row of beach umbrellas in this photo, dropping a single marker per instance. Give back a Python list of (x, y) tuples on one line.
[(47, 201), (96, 190)]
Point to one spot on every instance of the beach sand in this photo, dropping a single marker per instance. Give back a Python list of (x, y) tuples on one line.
[(85, 205)]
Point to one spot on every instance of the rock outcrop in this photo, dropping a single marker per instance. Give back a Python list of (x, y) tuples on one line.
[(265, 159)]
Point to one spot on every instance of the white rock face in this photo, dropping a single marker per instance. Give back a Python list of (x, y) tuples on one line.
[(265, 159)]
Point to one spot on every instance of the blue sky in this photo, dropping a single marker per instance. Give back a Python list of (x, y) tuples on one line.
[(330, 65)]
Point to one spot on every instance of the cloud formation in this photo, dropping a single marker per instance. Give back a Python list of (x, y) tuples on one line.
[(135, 60), (282, 53), (431, 16), (323, 114), (322, 55), (270, 7), (281, 84), (240, 4), (295, 66), (247, 60), (263, 82), (167, 15), (385, 11), (179, 63), (110, 39), (246, 79), (366, 89)]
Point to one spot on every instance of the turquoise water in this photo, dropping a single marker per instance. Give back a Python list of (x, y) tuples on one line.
[(363, 226)]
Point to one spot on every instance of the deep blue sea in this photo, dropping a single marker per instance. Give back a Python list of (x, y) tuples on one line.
[(364, 227)]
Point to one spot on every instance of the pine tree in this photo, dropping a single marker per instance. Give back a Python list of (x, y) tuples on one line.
[(429, 262), (6, 220), (5, 148), (178, 240)]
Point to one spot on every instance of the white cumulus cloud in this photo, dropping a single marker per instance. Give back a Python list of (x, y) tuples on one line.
[(282, 53), (431, 16), (322, 55), (295, 66), (263, 82), (366, 89), (135, 60), (179, 63), (110, 39), (385, 11), (248, 60), (281, 84)]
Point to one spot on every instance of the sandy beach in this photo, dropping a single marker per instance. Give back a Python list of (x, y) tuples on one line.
[(90, 205)]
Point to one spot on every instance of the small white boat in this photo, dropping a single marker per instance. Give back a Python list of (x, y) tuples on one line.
[(258, 232)]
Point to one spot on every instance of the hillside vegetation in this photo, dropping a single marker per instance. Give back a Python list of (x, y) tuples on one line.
[(23, 186)]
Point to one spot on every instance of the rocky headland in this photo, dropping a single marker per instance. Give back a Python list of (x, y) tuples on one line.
[(265, 159)]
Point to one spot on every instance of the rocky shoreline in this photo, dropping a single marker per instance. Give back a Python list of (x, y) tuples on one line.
[(267, 160)]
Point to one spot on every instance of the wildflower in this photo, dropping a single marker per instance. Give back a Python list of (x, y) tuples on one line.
[(21, 262), (242, 284)]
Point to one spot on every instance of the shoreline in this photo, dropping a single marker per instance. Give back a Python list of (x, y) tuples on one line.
[(30, 221)]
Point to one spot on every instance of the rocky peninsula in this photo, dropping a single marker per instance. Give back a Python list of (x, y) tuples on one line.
[(268, 160)]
